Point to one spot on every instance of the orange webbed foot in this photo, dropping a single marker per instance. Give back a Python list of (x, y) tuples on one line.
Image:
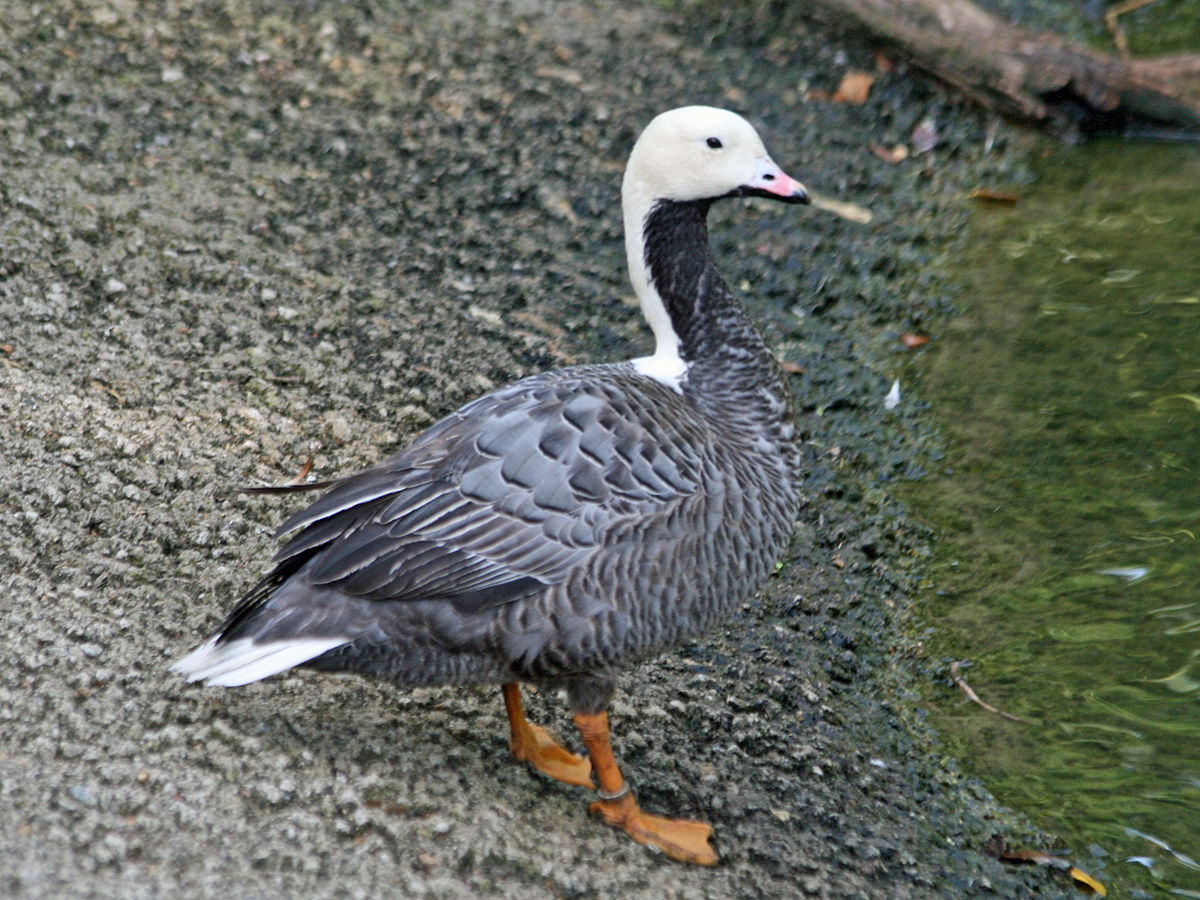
[(534, 745), (680, 839)]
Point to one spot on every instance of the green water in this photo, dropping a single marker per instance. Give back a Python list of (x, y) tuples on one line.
[(1162, 26), (1068, 510)]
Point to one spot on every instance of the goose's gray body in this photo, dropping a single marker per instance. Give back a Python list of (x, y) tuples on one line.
[(560, 527)]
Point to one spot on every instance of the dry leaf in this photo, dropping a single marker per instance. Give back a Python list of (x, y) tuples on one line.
[(992, 196), (304, 470), (850, 211), (1080, 877), (855, 88), (1083, 878), (897, 154)]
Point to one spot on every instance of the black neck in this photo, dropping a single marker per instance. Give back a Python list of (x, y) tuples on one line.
[(703, 311)]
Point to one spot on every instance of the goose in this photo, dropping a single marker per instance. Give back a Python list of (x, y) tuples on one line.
[(562, 527)]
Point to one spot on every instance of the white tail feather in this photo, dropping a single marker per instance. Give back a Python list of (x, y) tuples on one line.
[(242, 661)]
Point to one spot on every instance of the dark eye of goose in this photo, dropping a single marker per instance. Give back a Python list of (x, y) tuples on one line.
[(715, 143)]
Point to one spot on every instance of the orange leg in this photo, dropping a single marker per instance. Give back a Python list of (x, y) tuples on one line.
[(534, 745), (680, 839)]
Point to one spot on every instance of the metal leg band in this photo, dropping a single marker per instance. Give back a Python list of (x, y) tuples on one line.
[(615, 795)]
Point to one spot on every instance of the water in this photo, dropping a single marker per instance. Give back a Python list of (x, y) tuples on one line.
[(1068, 567), (1166, 26)]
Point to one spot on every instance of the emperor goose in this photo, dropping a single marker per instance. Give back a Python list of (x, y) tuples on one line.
[(566, 525)]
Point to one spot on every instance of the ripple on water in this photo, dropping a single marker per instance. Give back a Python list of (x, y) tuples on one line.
[(1068, 566)]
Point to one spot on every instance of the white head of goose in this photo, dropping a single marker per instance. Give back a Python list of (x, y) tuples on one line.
[(561, 527)]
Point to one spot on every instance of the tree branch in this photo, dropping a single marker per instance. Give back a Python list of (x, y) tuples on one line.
[(1035, 77)]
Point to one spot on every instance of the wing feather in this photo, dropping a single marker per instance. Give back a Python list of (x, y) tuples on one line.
[(502, 498)]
